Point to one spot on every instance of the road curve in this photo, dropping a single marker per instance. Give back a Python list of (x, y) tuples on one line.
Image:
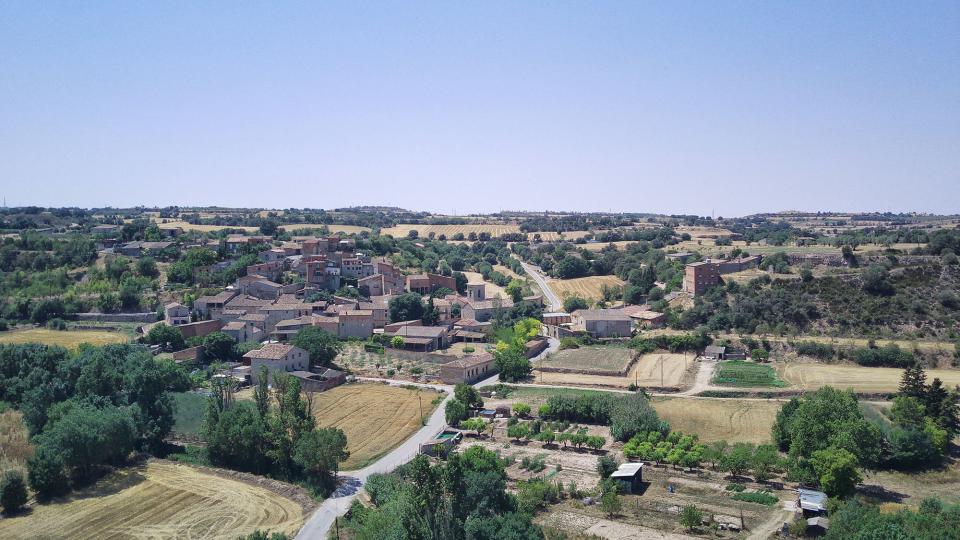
[(318, 524), (548, 294)]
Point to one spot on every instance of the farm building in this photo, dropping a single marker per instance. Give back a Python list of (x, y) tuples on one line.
[(556, 319), (422, 338), (629, 476), (276, 357), (714, 352), (319, 382), (602, 323), (700, 276), (811, 501), (175, 314), (468, 369)]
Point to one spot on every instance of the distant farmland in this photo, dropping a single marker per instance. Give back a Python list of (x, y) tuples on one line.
[(69, 339), (720, 419), (334, 228), (403, 229), (810, 376)]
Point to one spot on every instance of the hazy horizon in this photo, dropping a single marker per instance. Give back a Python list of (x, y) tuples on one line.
[(691, 108)]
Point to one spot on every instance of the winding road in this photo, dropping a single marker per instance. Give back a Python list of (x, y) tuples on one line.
[(541, 280)]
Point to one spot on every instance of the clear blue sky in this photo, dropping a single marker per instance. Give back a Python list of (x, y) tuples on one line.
[(679, 107)]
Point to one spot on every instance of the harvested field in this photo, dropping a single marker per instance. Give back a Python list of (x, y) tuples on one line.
[(334, 228), (587, 359), (177, 224), (585, 287), (375, 417), (505, 270), (868, 380), (160, 500), (552, 236), (15, 447), (720, 419), (645, 373), (599, 246), (69, 339), (403, 229), (941, 346)]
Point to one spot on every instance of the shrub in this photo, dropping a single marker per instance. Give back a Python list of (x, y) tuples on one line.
[(736, 487), (13, 492), (691, 517), (759, 497), (569, 343), (606, 465), (521, 409)]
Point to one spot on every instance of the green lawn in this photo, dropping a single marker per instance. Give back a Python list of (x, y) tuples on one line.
[(750, 374), (189, 409)]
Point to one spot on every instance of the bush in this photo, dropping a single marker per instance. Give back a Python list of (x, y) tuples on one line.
[(759, 497), (607, 465), (569, 343), (13, 492), (736, 487), (822, 351), (521, 409), (57, 324)]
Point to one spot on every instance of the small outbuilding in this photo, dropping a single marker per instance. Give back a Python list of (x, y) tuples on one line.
[(629, 476), (715, 352), (811, 501)]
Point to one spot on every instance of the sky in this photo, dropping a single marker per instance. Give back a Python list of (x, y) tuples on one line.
[(709, 108)]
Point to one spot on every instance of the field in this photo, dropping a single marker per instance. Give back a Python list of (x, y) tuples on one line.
[(69, 339), (159, 500), (15, 446), (868, 380), (334, 229), (940, 346), (588, 359), (375, 417), (598, 246), (749, 374), (646, 372), (586, 287), (720, 419), (177, 224), (402, 229)]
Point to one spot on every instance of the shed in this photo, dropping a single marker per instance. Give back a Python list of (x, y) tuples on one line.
[(817, 526), (811, 500), (629, 475), (714, 352)]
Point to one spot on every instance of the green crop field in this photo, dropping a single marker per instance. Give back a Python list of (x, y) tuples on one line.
[(740, 373)]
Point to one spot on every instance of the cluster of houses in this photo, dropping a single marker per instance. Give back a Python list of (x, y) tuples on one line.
[(263, 307)]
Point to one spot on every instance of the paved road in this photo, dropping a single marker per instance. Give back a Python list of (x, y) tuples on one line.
[(319, 523), (551, 297)]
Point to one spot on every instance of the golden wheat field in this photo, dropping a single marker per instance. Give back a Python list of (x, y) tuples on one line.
[(375, 417), (720, 419), (334, 229), (586, 287), (159, 500), (69, 339), (810, 376), (178, 224)]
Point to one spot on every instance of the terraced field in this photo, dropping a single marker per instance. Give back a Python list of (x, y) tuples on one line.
[(810, 376), (375, 417), (69, 339), (160, 500)]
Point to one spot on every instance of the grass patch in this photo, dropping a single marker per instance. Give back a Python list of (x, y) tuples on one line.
[(759, 497), (749, 374), (189, 410), (69, 339)]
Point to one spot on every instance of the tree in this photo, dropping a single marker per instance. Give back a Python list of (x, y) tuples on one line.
[(147, 267), (764, 461), (913, 383), (455, 412), (610, 503), (573, 303), (161, 334), (515, 290), (320, 451), (607, 465), (512, 364), (13, 492), (521, 409), (219, 346), (738, 460), (45, 473), (691, 517), (837, 471), (108, 302), (406, 307), (323, 347), (518, 431), (907, 411), (876, 281), (760, 355), (431, 315), (468, 395), (474, 424)]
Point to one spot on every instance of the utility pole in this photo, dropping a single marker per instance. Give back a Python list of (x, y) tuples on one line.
[(420, 399), (661, 372)]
